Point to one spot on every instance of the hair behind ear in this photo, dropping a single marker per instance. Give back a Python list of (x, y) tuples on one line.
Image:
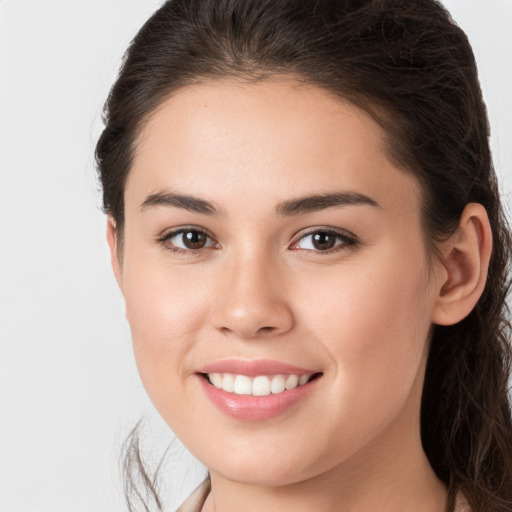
[(466, 417)]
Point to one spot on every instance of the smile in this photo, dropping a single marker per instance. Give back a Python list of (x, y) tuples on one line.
[(261, 385), (259, 397)]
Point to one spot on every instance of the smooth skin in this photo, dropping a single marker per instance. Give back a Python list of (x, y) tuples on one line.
[(358, 308)]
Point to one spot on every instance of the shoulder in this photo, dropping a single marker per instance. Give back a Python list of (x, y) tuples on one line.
[(195, 502)]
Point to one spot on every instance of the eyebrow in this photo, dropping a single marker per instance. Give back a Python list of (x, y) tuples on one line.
[(298, 206), (317, 202), (187, 202)]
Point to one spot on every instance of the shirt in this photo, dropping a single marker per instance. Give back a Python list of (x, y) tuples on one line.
[(195, 502)]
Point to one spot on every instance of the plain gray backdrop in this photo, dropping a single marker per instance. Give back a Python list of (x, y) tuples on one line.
[(69, 390)]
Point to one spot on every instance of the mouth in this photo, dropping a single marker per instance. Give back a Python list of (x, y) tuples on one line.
[(258, 397), (258, 389), (259, 385)]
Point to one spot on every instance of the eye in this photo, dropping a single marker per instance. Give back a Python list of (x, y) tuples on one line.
[(187, 240), (326, 241)]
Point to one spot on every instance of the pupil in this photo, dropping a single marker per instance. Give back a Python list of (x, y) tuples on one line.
[(194, 239), (323, 241)]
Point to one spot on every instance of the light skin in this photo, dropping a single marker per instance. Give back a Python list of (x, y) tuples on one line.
[(261, 289)]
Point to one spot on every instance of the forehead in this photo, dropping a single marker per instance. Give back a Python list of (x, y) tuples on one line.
[(273, 138)]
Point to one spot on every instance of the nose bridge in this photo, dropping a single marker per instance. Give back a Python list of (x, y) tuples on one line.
[(253, 299)]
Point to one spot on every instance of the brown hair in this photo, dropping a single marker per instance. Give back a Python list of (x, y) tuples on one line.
[(412, 69)]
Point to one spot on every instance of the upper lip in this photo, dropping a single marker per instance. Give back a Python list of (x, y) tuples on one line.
[(254, 368)]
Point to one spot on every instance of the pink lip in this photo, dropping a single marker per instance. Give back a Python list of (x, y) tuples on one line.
[(254, 368), (247, 407)]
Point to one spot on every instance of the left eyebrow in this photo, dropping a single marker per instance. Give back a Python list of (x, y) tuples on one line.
[(317, 202), (185, 201)]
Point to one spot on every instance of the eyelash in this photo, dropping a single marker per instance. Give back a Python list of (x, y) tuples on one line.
[(164, 240), (347, 240)]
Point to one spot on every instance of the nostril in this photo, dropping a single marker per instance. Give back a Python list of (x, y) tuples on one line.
[(261, 319)]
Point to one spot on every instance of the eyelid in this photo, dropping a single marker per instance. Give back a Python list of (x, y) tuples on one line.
[(164, 237), (348, 238)]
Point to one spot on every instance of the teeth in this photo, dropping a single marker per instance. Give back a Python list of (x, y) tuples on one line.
[(278, 384), (243, 385), (261, 385), (228, 383), (292, 382), (216, 380), (303, 379)]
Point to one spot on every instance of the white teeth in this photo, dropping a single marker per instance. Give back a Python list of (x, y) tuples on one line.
[(228, 383), (292, 382), (277, 384), (303, 379), (216, 380), (261, 385), (243, 385)]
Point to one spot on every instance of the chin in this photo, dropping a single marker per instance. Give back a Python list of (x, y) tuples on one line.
[(266, 469), (264, 476)]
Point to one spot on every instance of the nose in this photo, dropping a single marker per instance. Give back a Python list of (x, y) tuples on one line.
[(251, 301)]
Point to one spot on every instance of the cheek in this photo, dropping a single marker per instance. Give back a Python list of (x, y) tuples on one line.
[(373, 321), (165, 313)]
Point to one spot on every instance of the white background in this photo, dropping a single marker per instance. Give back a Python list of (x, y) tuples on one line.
[(69, 391)]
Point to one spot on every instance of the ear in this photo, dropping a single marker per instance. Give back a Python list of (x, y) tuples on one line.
[(465, 261), (112, 239)]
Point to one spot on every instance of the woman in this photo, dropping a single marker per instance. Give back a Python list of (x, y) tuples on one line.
[(305, 225)]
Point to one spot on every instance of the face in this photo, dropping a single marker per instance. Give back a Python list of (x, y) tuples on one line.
[(269, 239)]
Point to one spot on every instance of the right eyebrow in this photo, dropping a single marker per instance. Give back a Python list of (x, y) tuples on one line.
[(187, 202)]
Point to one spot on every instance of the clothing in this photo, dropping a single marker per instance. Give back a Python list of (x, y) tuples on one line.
[(460, 504), (195, 502)]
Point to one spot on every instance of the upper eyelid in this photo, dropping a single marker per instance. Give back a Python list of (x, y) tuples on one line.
[(176, 231), (335, 231), (342, 233), (163, 240), (296, 236)]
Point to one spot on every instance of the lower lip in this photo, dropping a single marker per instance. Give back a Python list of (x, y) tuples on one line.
[(248, 407)]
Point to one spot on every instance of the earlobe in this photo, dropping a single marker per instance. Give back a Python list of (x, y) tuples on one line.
[(112, 239), (465, 260)]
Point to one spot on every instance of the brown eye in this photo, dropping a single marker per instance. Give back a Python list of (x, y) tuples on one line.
[(194, 239), (325, 241), (187, 240)]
